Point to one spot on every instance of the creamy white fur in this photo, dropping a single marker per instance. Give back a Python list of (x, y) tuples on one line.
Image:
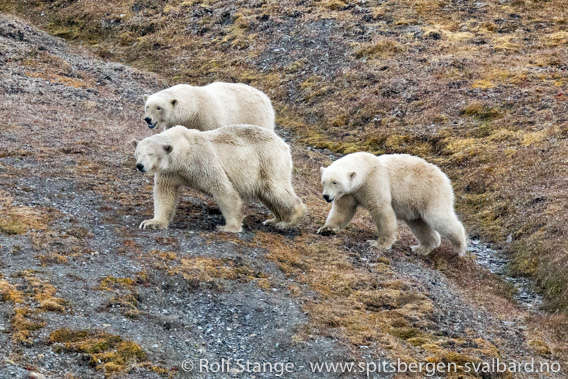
[(228, 163), (393, 186), (209, 107)]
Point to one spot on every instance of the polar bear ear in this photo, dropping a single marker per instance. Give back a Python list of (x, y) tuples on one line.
[(134, 143), (168, 148), (352, 175), (322, 169), (174, 102), (145, 97)]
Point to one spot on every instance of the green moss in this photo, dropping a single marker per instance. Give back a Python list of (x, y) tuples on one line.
[(485, 129), (481, 111), (110, 282), (405, 333), (12, 226)]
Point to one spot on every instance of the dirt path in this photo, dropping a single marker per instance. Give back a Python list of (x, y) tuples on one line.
[(85, 292)]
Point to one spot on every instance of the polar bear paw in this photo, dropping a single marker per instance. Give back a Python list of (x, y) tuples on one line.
[(153, 224), (279, 224), (381, 246), (421, 250), (284, 225), (327, 230), (229, 229)]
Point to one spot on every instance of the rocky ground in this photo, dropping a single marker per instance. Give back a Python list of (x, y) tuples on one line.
[(85, 293)]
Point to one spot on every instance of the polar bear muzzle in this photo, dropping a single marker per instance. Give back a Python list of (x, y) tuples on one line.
[(149, 122)]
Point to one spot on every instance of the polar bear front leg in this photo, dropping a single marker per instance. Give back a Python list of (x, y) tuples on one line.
[(230, 204), (165, 202), (385, 219), (342, 211)]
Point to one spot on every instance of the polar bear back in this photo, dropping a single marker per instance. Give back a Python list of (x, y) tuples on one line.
[(415, 185), (241, 104), (411, 184), (218, 104), (254, 159)]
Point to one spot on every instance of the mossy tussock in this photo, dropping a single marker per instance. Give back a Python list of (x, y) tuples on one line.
[(208, 272), (29, 299), (125, 293), (18, 219), (107, 352)]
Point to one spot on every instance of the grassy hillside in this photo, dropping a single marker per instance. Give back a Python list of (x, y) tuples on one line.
[(479, 88), (84, 292)]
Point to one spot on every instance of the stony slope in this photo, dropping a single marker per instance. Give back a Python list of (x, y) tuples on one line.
[(86, 294), (478, 87)]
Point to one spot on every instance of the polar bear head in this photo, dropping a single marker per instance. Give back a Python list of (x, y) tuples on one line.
[(159, 110), (153, 155), (337, 181)]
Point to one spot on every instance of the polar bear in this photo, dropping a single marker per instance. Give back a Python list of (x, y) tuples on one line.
[(228, 163), (393, 186), (209, 107)]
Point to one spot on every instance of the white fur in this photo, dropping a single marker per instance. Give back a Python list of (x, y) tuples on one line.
[(210, 107), (393, 186), (228, 163)]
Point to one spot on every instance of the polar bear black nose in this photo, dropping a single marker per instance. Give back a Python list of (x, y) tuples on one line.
[(148, 120), (140, 167), (326, 197)]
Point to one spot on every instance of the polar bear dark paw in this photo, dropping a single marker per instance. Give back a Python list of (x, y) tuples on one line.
[(327, 230)]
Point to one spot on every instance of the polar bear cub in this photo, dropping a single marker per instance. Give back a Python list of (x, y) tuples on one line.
[(393, 186), (210, 107), (228, 163)]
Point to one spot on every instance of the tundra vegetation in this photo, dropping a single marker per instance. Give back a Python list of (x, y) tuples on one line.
[(478, 88)]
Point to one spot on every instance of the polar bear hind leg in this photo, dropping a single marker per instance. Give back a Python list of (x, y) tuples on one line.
[(428, 238), (448, 225), (286, 207)]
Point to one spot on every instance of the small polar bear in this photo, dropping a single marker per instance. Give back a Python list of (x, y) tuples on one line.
[(393, 186), (228, 163), (209, 107)]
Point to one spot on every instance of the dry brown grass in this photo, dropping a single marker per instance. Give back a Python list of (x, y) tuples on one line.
[(206, 271), (24, 322), (9, 293), (368, 306)]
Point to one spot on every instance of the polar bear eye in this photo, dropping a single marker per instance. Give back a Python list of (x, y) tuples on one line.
[(334, 183), (159, 108)]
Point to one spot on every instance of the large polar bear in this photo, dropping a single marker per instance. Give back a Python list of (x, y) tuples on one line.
[(393, 186), (210, 107), (228, 163)]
